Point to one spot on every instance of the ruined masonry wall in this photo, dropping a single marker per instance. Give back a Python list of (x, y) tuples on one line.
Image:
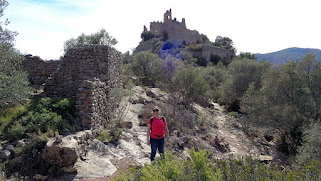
[(39, 70), (88, 75)]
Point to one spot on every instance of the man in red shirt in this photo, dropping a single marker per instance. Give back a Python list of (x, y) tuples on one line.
[(156, 130)]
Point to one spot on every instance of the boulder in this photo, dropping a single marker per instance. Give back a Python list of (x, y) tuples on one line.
[(5, 154), (135, 101), (128, 124), (94, 166), (83, 136), (141, 100), (40, 177), (62, 153), (17, 161), (151, 94), (22, 142), (69, 169), (266, 158)]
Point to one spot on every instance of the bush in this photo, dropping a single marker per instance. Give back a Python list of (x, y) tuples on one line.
[(190, 86), (45, 116), (103, 136), (311, 148), (202, 167), (111, 136), (10, 114)]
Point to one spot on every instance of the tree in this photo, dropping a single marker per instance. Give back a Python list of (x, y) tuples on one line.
[(147, 35), (241, 74), (214, 58), (190, 86), (214, 76), (311, 148), (13, 80), (311, 72), (147, 67), (126, 57), (224, 42), (99, 38), (247, 55)]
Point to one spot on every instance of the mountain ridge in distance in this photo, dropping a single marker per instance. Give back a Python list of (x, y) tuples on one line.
[(293, 53)]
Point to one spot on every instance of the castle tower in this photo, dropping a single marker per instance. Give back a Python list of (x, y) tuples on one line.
[(183, 22), (168, 16)]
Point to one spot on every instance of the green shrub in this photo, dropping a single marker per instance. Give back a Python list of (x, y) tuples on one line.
[(202, 167), (45, 116), (232, 114), (311, 147), (111, 136), (10, 114), (190, 86), (103, 136), (18, 131)]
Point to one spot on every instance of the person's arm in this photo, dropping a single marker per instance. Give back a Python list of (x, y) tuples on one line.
[(148, 134), (166, 133)]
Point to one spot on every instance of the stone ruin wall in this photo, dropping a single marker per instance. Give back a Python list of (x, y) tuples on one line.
[(88, 75), (223, 53), (39, 70), (175, 30)]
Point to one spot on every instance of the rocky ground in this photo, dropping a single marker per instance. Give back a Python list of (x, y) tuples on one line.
[(98, 160), (104, 161)]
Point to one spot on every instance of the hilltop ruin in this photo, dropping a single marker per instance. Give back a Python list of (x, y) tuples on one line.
[(172, 30), (176, 30)]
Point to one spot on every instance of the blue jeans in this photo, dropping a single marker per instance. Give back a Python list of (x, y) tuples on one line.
[(157, 143)]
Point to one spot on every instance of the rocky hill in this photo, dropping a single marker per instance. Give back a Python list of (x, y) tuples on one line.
[(295, 54)]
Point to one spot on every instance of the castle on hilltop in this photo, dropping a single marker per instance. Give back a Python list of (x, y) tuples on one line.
[(175, 30)]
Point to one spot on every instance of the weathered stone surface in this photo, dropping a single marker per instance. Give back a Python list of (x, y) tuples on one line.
[(128, 124), (40, 177), (69, 169), (62, 154), (82, 136), (265, 158), (94, 167), (39, 70), (10, 148), (17, 161), (5, 154), (151, 94)]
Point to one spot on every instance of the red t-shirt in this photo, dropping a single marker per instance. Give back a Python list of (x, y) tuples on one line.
[(158, 128)]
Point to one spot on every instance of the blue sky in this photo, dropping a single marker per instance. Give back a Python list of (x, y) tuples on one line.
[(254, 26)]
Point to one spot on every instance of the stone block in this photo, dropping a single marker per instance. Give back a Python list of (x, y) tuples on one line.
[(61, 154)]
